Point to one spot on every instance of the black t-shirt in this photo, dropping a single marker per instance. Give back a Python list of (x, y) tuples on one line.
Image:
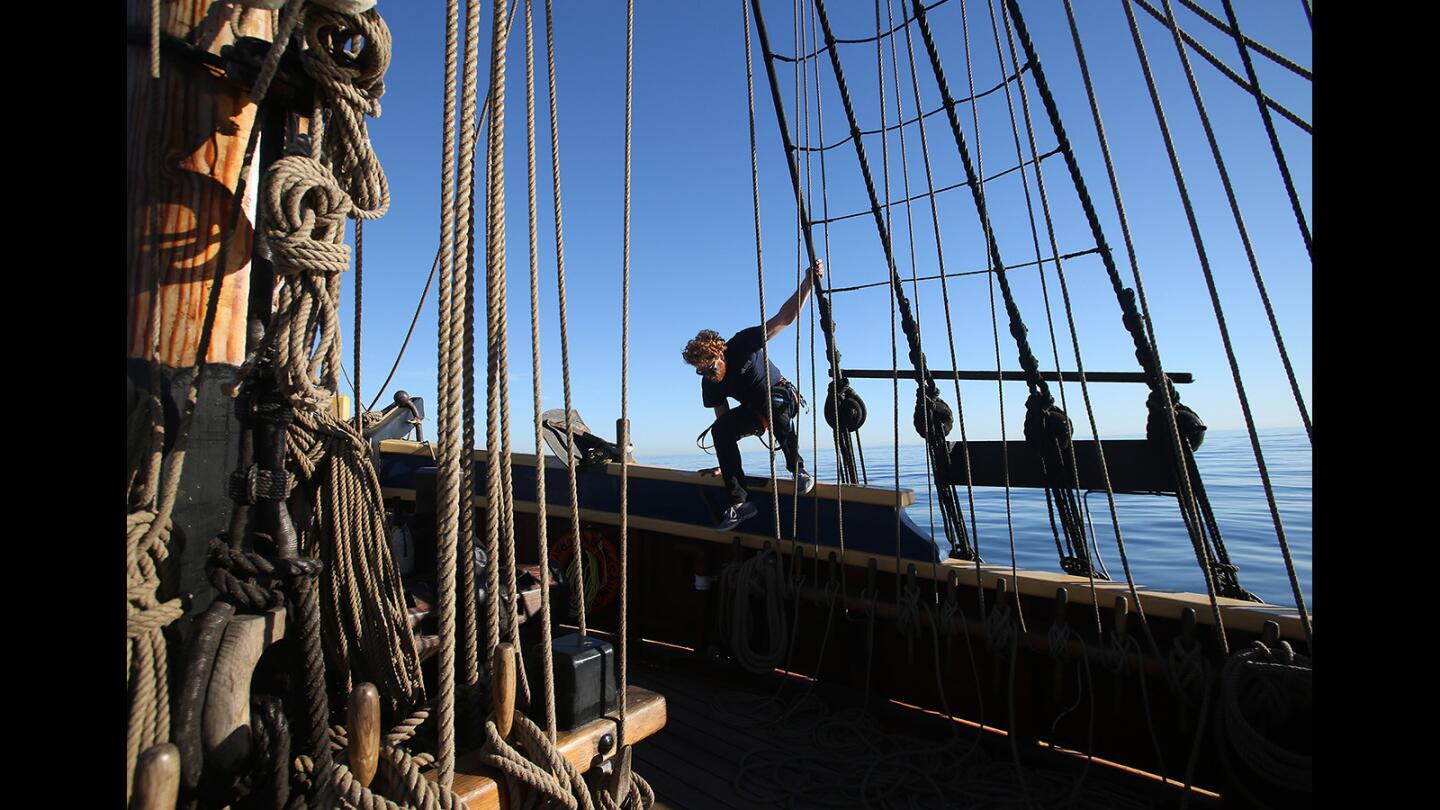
[(744, 357)]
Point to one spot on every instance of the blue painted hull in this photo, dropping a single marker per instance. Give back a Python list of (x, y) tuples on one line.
[(696, 504)]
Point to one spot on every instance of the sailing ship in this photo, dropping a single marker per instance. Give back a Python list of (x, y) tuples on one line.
[(335, 645)]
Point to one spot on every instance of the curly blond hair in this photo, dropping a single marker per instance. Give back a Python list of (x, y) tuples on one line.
[(706, 344)]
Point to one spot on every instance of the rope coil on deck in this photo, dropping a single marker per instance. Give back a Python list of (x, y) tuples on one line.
[(739, 583), (1260, 688)]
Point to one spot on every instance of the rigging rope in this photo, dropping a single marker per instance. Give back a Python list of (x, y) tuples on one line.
[(577, 594), (1162, 412), (1228, 73), (1047, 427), (843, 407), (448, 461), (760, 272), (434, 265), (844, 460), (1215, 300), (542, 533), (933, 417), (918, 118)]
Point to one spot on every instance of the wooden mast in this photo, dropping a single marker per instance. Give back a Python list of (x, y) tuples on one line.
[(186, 133)]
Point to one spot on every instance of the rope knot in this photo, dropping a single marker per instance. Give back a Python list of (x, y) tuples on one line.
[(347, 55), (1121, 645), (138, 622), (305, 226), (907, 610), (999, 629), (295, 255), (949, 617), (1059, 637), (1188, 669)]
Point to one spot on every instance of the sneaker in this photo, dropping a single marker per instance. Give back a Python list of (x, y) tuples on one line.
[(737, 514), (804, 482)]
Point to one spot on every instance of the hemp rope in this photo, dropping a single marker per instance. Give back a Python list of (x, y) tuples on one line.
[(633, 791), (1064, 500), (448, 417), (1265, 299), (358, 403), (468, 631), (542, 533), (577, 595), (844, 462), (840, 389), (494, 321), (147, 539), (368, 628), (349, 87), (304, 225), (160, 489), (500, 504), (973, 538), (1215, 304), (552, 780), (1230, 74), (756, 576), (760, 279), (1290, 770), (429, 279), (1065, 296)]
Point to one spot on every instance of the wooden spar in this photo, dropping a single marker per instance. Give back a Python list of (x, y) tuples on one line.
[(182, 165)]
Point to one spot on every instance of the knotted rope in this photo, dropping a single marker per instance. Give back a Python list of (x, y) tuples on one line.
[(244, 590), (304, 220), (333, 784), (147, 538), (551, 778), (349, 86)]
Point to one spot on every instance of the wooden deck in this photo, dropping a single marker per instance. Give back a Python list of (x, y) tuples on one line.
[(725, 746)]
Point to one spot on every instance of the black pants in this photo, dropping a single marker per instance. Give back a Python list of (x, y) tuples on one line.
[(737, 423)]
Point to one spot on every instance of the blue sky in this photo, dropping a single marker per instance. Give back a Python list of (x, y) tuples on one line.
[(692, 234)]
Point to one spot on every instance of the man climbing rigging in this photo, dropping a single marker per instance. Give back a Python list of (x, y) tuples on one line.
[(734, 369)]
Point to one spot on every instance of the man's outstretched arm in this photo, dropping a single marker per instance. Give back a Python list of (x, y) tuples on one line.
[(791, 309)]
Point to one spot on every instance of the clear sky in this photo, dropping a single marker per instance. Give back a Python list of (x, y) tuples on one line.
[(692, 234)]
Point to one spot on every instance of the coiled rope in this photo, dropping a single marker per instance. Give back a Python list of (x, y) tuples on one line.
[(368, 628), (349, 87), (756, 577), (1260, 688)]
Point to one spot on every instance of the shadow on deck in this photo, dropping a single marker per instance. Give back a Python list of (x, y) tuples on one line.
[(738, 741)]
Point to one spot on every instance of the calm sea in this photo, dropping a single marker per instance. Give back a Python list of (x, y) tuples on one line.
[(1159, 550)]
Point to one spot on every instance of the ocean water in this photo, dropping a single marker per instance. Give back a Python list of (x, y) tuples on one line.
[(1156, 544)]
